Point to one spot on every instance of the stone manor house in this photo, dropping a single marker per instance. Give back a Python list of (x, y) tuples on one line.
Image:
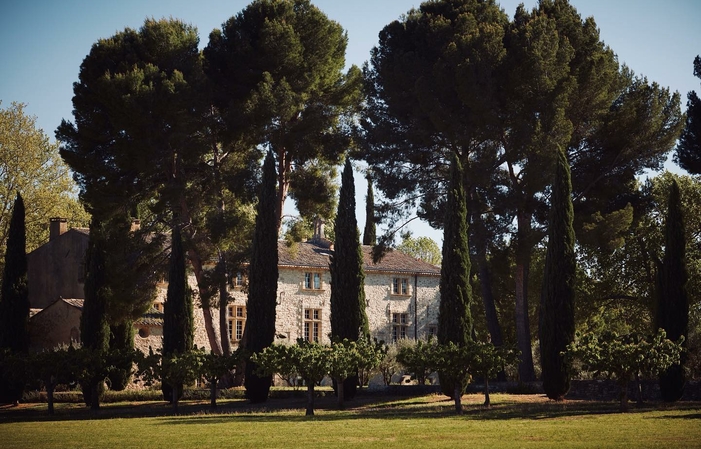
[(402, 296)]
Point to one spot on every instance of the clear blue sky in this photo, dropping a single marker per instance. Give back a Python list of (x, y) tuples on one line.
[(44, 42)]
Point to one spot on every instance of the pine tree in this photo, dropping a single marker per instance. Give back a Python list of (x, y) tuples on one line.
[(348, 317), (557, 298), (177, 313), (262, 283), (689, 149), (370, 232), (673, 302), (454, 318), (14, 298), (94, 327)]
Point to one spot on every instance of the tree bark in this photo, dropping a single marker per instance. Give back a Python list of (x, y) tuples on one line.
[(284, 166), (624, 397), (223, 307), (50, 395), (526, 371), (213, 393), (310, 399), (196, 262), (339, 392), (487, 401), (458, 398)]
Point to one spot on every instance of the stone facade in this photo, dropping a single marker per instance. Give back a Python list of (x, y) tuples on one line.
[(56, 269), (56, 325), (401, 292), (412, 313)]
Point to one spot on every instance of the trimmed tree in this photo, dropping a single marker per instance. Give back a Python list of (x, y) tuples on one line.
[(14, 298), (262, 284), (557, 298), (370, 232), (177, 312), (348, 317), (672, 301), (94, 326), (454, 318)]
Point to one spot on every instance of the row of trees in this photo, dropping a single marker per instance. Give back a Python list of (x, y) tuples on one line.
[(457, 105)]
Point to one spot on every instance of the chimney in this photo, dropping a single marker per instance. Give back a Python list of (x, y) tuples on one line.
[(135, 225), (57, 226), (318, 230)]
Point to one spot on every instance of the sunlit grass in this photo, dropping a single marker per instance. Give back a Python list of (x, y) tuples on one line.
[(367, 422)]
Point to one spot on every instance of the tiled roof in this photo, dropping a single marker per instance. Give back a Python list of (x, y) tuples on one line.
[(151, 318), (74, 302), (311, 255)]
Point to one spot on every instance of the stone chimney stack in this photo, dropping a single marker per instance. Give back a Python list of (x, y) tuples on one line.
[(57, 226), (318, 235)]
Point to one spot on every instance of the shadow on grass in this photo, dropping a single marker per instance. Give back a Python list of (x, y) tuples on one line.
[(533, 407)]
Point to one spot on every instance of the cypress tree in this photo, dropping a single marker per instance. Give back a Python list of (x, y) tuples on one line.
[(348, 317), (454, 317), (94, 327), (557, 297), (672, 301), (262, 283), (14, 297), (370, 232), (121, 345), (177, 311)]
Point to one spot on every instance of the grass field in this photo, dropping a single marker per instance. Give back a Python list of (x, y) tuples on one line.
[(369, 422)]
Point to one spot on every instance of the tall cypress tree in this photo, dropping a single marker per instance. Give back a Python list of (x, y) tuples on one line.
[(370, 232), (94, 326), (262, 283), (454, 317), (348, 317), (178, 322), (672, 301), (14, 298), (557, 297)]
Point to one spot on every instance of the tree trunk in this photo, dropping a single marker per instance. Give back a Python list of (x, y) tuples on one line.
[(284, 165), (95, 392), (624, 397), (223, 307), (310, 399), (526, 371), (639, 387), (196, 262), (50, 395), (176, 399), (213, 393), (487, 402), (339, 392), (458, 398), (485, 279)]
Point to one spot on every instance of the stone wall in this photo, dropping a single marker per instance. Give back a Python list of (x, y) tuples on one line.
[(54, 326)]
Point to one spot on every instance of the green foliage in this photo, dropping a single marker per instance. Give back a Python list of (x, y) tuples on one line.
[(454, 318), (348, 317), (370, 231), (389, 365), (312, 361), (424, 248), (672, 313), (688, 154), (418, 358), (94, 323), (174, 369), (262, 283), (14, 293), (625, 356), (557, 300), (178, 321), (30, 164), (277, 68), (121, 348)]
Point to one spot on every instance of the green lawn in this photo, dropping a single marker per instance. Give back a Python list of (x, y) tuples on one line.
[(425, 422)]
